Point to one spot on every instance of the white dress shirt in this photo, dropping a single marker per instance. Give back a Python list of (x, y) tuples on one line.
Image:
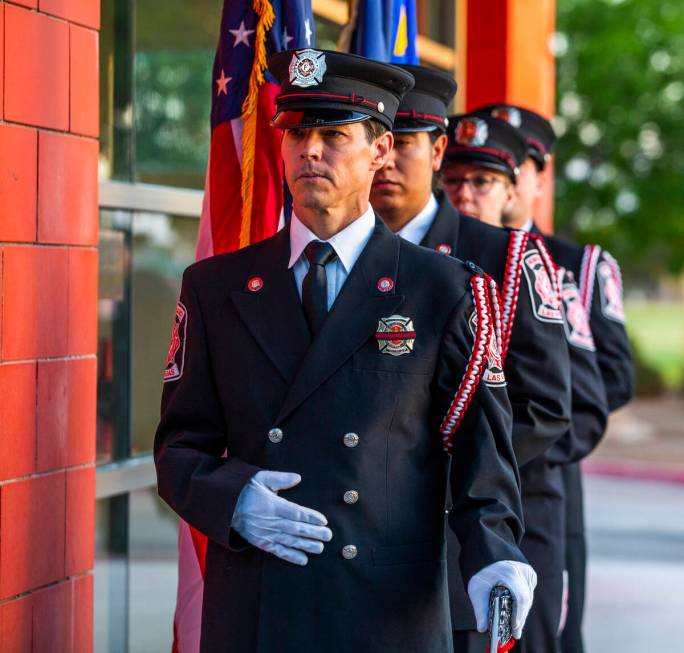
[(528, 225), (348, 245), (415, 230)]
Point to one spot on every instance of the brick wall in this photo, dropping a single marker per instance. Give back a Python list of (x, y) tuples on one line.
[(48, 322)]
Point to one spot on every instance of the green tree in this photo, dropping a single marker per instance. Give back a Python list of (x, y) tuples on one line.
[(620, 118)]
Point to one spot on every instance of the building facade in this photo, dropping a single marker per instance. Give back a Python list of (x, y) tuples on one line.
[(104, 134)]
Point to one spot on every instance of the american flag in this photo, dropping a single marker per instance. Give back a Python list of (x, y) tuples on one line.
[(245, 199)]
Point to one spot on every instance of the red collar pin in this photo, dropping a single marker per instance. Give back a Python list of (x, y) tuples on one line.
[(385, 284), (443, 248), (255, 284)]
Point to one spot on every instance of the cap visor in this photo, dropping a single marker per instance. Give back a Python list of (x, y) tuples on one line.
[(480, 160), (310, 119)]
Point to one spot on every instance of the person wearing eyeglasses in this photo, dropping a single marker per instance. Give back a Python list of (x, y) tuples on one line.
[(535, 362), (597, 336)]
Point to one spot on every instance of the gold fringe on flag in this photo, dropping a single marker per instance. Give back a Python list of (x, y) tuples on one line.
[(266, 15)]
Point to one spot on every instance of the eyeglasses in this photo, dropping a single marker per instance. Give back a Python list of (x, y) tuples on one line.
[(478, 184)]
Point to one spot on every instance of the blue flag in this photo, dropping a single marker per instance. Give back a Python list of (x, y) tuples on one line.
[(386, 30)]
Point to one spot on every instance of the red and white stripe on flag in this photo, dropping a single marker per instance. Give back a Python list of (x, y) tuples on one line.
[(243, 199)]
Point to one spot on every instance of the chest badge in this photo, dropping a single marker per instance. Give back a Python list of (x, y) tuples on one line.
[(395, 335)]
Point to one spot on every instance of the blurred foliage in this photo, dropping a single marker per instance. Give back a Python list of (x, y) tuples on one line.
[(620, 157), (657, 331), (648, 379)]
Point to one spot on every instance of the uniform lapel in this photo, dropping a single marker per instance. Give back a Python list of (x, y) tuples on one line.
[(353, 317), (274, 314), (444, 228)]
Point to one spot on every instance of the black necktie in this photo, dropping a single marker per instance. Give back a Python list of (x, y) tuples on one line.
[(315, 285)]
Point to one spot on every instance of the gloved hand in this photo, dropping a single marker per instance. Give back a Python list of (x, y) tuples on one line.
[(276, 525), (518, 577)]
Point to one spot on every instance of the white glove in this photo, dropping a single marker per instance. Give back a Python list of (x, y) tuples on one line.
[(276, 525), (518, 577)]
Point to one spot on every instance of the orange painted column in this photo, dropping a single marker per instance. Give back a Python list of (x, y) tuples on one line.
[(48, 322), (508, 58)]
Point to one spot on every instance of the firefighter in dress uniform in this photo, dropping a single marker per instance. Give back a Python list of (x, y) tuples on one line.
[(340, 369), (483, 160), (536, 363), (592, 293)]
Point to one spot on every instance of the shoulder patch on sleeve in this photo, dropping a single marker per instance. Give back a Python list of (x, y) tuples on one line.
[(610, 288), (543, 286), (175, 359), (576, 323)]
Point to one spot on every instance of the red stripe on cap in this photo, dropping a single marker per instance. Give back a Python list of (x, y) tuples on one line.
[(507, 158), (352, 99), (415, 114), (537, 145)]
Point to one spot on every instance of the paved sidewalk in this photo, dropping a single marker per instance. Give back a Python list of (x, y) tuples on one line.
[(647, 432)]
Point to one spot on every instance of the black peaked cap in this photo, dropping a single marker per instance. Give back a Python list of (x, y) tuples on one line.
[(485, 141), (322, 87), (536, 130), (424, 107)]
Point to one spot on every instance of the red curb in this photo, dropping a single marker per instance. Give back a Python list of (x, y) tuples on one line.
[(644, 471)]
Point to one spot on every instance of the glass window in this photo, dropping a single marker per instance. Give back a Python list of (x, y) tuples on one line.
[(135, 574), (174, 52), (163, 246), (113, 361)]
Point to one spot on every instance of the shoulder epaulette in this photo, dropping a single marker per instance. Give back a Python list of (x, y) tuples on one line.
[(487, 309)]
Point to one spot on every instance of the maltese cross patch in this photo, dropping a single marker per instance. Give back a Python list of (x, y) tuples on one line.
[(395, 335)]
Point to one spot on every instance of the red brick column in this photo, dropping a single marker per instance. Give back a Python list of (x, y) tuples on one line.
[(508, 59), (48, 322)]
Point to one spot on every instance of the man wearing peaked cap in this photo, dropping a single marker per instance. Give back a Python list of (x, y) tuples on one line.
[(338, 382), (598, 276), (481, 145), (535, 364), (319, 88)]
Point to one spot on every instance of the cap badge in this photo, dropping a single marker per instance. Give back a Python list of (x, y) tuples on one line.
[(385, 284), (395, 335), (444, 248), (472, 131), (307, 68), (508, 114)]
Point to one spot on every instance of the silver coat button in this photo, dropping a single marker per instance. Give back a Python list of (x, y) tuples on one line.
[(351, 440), (349, 552), (351, 496), (275, 436)]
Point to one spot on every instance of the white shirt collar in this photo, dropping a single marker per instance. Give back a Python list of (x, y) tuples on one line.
[(414, 231), (348, 243), (528, 225)]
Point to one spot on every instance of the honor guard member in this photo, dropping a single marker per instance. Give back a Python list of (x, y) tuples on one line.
[(335, 365), (479, 173), (589, 403), (600, 297), (535, 366)]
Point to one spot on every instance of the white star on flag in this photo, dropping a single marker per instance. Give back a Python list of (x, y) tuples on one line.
[(241, 34), (307, 27), (287, 38)]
